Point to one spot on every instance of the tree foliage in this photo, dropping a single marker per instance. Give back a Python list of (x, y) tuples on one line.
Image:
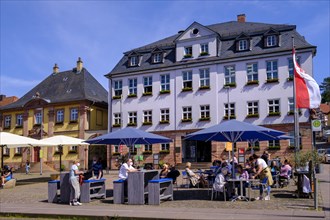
[(325, 89)]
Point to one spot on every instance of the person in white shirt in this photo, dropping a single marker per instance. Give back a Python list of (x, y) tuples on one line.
[(263, 171), (74, 183), (125, 168)]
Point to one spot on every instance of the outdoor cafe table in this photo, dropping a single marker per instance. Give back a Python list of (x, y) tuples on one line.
[(240, 180)]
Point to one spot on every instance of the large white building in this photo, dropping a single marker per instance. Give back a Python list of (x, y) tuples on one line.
[(183, 83)]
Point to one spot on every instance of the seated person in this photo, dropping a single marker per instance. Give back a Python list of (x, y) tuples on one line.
[(194, 178), (164, 171), (125, 168), (220, 182), (97, 169), (284, 172), (273, 167), (217, 170), (173, 174), (243, 174), (6, 175)]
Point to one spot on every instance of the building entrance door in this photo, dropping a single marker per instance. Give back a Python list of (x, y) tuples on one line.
[(196, 151)]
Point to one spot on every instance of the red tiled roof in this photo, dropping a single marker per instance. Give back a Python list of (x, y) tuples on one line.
[(8, 100)]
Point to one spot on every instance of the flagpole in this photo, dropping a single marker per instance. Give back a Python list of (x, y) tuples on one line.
[(296, 115)]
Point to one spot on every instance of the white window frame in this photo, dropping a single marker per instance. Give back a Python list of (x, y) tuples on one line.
[(204, 48), (230, 74), (242, 45), (272, 69), (132, 117), (148, 147), (7, 121), (204, 111), (290, 66), (157, 57), (132, 86), (117, 118), (147, 116), (147, 84), (165, 146), (204, 77), (18, 150), (231, 109), (188, 50), (187, 113), (252, 72), (73, 148), (274, 106), (38, 118), (19, 120), (6, 151), (187, 79), (133, 60), (59, 115), (252, 107), (118, 87), (271, 40), (116, 148), (165, 114), (273, 143), (74, 114), (165, 82), (290, 104), (133, 150)]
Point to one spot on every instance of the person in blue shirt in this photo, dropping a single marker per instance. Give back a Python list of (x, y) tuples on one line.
[(6, 175), (97, 169)]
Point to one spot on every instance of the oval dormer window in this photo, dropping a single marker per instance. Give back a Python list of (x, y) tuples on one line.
[(195, 31)]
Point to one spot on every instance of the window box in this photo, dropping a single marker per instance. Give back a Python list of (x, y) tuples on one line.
[(73, 152), (74, 122), (164, 152), (132, 96), (188, 56), (116, 125), (164, 91), (164, 122), (274, 114), (147, 94), (231, 117), (148, 152), (256, 148), (186, 120), (115, 154), (292, 147), (230, 84), (292, 112), (116, 97), (36, 125), (5, 155), (19, 126), (6, 128), (274, 147), (133, 153), (205, 119), (252, 82), (131, 124), (59, 123), (57, 153), (289, 79), (204, 54), (204, 87), (253, 115), (147, 123), (272, 80), (186, 89), (17, 154)]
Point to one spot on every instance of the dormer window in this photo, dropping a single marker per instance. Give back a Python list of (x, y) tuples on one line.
[(204, 49), (242, 45), (157, 58), (133, 61), (188, 52), (271, 41)]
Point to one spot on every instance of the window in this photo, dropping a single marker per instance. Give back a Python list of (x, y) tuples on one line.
[(204, 49), (253, 108), (274, 143), (73, 149), (74, 114), (116, 149), (132, 87), (133, 61), (117, 119), (272, 73), (231, 110), (147, 83), (133, 150), (252, 72), (274, 107), (186, 113), (204, 75), (271, 40), (157, 58), (165, 147), (38, 118), (118, 87), (7, 121), (148, 147), (18, 151), (255, 146), (188, 52), (19, 120), (187, 79), (59, 116), (165, 115), (205, 112), (242, 45), (6, 151), (132, 118), (290, 66), (229, 75), (147, 117), (165, 82)]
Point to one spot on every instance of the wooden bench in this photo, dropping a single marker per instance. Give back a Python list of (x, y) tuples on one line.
[(119, 189), (53, 191), (10, 184), (160, 189), (92, 189)]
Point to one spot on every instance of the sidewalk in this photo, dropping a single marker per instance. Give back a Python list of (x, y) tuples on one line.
[(29, 197)]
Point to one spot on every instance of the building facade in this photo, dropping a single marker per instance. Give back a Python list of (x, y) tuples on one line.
[(70, 103), (205, 75)]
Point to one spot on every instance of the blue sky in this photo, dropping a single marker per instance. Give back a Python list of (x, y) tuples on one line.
[(37, 34)]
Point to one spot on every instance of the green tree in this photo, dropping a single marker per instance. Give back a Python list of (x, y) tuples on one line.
[(325, 89)]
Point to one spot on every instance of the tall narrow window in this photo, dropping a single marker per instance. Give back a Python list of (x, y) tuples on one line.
[(132, 87), (133, 61), (74, 114), (230, 75), (274, 107), (19, 120), (186, 113), (242, 45), (271, 41), (165, 83), (59, 116), (187, 80), (253, 109), (116, 148), (272, 72), (290, 67), (148, 147), (157, 57), (204, 112), (290, 106), (147, 117), (38, 118), (7, 121), (252, 72), (204, 75), (117, 119), (188, 52), (147, 83), (118, 87), (165, 115), (231, 110), (132, 118), (204, 49)]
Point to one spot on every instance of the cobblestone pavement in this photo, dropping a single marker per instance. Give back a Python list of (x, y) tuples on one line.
[(32, 189)]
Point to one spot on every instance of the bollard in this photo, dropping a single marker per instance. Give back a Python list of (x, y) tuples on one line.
[(316, 205)]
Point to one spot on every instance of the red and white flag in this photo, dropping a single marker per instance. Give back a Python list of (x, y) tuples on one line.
[(307, 90)]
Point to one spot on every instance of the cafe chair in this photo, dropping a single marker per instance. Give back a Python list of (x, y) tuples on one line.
[(255, 187), (217, 193), (185, 179)]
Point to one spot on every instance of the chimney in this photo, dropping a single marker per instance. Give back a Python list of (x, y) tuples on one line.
[(79, 65), (2, 97), (241, 18), (55, 69)]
